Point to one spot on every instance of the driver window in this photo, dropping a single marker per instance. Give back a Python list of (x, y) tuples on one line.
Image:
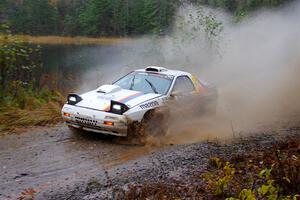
[(184, 85)]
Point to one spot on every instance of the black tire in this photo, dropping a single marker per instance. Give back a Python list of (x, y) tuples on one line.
[(134, 137), (154, 123)]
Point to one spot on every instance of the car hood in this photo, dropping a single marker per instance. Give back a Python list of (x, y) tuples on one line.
[(100, 98)]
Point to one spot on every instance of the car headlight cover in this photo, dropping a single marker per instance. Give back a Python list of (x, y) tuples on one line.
[(118, 108), (73, 99)]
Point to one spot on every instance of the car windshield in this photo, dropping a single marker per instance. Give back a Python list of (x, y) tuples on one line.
[(146, 82)]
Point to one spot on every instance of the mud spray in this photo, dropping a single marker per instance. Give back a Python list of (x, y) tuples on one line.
[(255, 64)]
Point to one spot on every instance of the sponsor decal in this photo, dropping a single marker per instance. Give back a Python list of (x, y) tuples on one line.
[(149, 105)]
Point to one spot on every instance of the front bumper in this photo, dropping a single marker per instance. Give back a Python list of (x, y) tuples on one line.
[(94, 120)]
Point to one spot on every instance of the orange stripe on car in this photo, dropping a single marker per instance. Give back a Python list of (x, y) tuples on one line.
[(130, 97), (123, 99), (107, 108)]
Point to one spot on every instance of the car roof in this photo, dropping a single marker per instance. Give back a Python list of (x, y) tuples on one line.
[(165, 71)]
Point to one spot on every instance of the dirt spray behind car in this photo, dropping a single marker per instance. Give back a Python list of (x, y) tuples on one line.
[(254, 64)]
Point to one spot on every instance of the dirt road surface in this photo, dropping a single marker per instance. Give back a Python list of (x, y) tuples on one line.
[(58, 164), (47, 157)]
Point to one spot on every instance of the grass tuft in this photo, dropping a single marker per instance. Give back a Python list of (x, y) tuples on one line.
[(57, 40), (38, 110)]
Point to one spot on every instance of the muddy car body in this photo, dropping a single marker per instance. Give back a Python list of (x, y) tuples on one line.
[(112, 109)]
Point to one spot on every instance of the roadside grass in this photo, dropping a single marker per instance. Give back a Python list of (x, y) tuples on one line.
[(24, 101), (271, 173), (56, 40), (36, 112)]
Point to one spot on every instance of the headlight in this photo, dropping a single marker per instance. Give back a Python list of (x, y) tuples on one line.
[(118, 108), (73, 99)]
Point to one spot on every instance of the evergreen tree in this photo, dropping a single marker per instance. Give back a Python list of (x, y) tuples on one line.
[(35, 17), (107, 17), (95, 17)]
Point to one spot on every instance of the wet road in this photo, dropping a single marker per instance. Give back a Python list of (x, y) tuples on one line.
[(42, 158), (54, 160)]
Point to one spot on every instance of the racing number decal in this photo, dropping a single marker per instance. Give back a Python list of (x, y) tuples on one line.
[(149, 105)]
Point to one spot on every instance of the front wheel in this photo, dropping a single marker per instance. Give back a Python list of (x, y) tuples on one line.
[(154, 123)]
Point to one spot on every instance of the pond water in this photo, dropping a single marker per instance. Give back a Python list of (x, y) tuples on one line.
[(65, 66), (80, 68)]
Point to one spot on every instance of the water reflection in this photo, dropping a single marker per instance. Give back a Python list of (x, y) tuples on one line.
[(64, 65)]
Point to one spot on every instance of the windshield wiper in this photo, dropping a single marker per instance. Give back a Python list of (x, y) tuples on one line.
[(132, 83), (152, 86)]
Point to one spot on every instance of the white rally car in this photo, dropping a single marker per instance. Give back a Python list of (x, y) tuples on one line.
[(112, 109)]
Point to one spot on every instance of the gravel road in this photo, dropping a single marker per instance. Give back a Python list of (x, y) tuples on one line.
[(47, 157), (60, 165), (171, 163)]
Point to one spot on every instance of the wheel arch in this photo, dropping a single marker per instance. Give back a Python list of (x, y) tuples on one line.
[(148, 112)]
